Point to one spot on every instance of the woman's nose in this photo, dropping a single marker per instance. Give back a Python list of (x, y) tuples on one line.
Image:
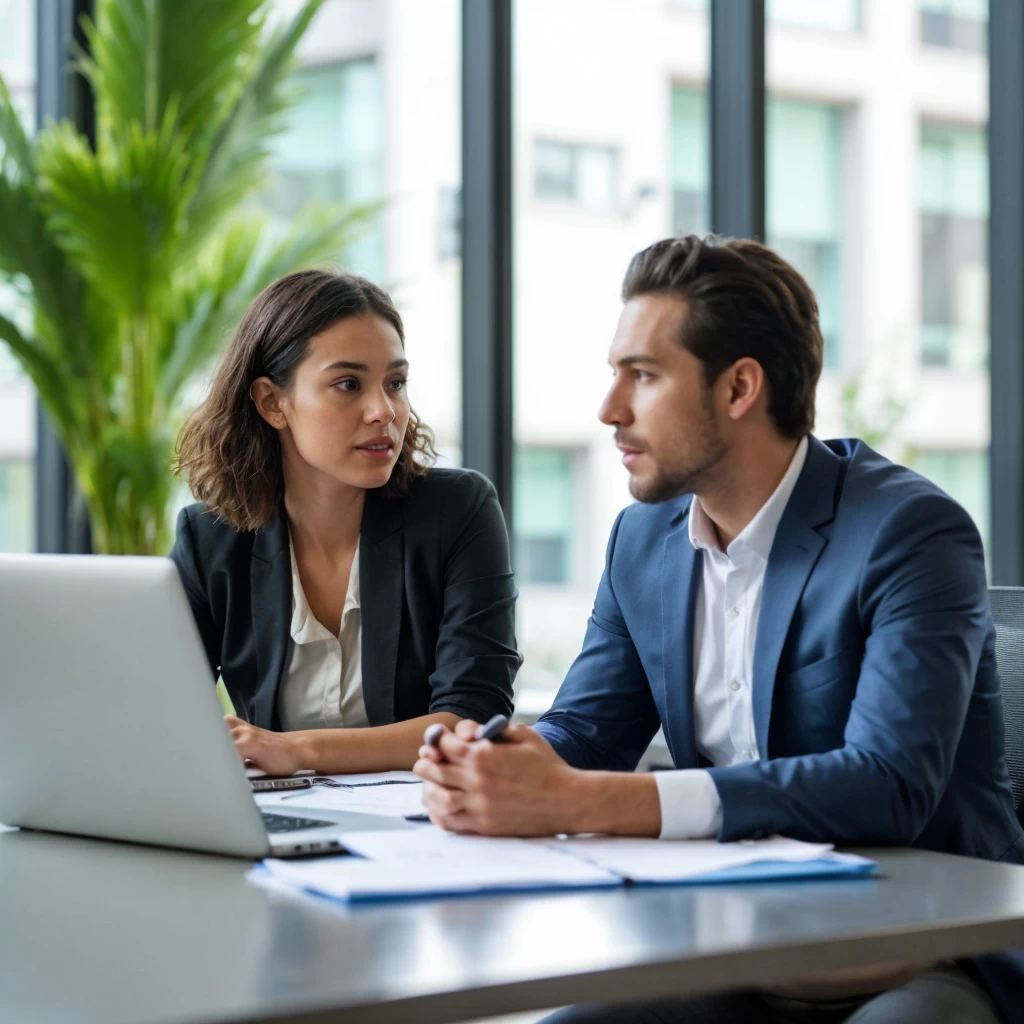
[(380, 409)]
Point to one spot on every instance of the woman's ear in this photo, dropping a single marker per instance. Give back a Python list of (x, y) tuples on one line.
[(267, 399)]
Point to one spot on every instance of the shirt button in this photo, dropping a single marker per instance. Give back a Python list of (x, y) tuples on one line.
[(734, 612), (734, 686)]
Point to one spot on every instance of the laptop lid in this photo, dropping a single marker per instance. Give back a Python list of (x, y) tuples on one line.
[(109, 720)]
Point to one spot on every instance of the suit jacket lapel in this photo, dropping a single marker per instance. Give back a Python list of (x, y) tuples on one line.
[(681, 571), (381, 581), (270, 585), (795, 551)]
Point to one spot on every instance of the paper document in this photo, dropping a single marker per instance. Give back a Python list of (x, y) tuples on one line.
[(674, 860), (429, 861), (392, 794)]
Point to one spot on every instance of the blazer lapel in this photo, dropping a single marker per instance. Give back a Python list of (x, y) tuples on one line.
[(270, 588), (795, 551), (381, 582), (681, 570)]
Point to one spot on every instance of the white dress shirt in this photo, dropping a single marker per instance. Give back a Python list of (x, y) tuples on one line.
[(324, 684), (724, 632)]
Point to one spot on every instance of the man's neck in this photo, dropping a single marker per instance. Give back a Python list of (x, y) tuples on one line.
[(745, 479)]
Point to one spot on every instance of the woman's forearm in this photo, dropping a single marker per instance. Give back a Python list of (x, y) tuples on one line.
[(380, 748)]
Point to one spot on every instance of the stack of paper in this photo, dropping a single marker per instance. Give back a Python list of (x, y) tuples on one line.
[(427, 862)]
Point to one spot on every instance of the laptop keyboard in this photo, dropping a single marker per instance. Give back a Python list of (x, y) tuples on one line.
[(278, 823)]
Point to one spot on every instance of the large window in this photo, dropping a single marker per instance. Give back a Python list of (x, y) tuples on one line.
[(17, 398), (378, 121), (333, 150), (954, 243), (605, 165), (804, 187), (544, 514)]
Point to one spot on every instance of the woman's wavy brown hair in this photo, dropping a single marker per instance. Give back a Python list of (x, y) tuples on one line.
[(231, 455)]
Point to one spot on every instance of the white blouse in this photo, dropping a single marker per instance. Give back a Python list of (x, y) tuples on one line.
[(324, 684)]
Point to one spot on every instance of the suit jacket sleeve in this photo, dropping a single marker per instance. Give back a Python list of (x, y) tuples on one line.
[(923, 595), (476, 658), (604, 716), (183, 554)]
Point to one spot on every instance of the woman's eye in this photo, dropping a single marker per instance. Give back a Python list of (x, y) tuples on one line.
[(348, 384), (400, 384)]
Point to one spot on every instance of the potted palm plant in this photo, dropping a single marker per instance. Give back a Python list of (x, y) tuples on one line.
[(133, 258)]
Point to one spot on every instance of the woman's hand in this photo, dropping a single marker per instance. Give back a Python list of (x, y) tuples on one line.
[(276, 753)]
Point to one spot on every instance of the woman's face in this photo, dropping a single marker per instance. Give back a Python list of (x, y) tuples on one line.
[(347, 410)]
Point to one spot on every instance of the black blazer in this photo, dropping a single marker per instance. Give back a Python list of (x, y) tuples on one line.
[(437, 602)]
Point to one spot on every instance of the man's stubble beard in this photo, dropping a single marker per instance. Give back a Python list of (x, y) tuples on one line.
[(709, 449)]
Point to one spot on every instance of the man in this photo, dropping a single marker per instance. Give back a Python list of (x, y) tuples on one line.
[(808, 622)]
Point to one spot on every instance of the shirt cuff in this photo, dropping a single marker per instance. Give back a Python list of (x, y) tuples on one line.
[(690, 805)]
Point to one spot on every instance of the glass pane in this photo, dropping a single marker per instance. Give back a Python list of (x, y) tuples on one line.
[(804, 194), (837, 15), (378, 121), (605, 164), (17, 397), (877, 171)]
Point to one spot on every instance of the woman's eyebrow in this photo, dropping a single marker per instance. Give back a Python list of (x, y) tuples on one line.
[(343, 365)]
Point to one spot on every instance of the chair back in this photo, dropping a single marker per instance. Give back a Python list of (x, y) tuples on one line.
[(1008, 615)]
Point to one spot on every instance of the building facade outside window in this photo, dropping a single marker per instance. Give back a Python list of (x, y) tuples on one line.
[(955, 24), (581, 174), (804, 212), (953, 190), (804, 191), (333, 150), (544, 514)]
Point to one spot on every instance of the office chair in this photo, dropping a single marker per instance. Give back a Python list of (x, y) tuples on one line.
[(1008, 614)]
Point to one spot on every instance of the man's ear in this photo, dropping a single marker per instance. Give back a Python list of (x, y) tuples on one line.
[(747, 383), (267, 399)]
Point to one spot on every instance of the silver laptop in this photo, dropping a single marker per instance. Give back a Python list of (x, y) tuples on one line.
[(109, 720)]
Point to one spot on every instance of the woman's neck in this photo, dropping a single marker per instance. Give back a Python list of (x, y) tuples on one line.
[(324, 516)]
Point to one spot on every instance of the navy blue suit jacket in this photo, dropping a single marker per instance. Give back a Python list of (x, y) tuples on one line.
[(875, 694)]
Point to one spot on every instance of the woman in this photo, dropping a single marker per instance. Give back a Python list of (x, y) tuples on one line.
[(347, 594)]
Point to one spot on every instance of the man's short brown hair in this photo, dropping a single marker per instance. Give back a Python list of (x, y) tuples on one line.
[(742, 301)]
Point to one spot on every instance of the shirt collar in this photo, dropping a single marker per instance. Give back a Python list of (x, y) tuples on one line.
[(759, 534), (305, 626)]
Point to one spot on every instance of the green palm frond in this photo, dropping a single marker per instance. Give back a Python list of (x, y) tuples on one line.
[(147, 53), (138, 258)]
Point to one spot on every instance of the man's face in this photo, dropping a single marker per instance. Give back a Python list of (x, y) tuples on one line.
[(662, 410)]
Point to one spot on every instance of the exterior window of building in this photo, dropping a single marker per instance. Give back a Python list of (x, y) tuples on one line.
[(690, 161), (964, 476), (581, 174), (804, 211), (804, 198), (16, 505), (544, 514), (955, 24), (333, 150), (953, 189)]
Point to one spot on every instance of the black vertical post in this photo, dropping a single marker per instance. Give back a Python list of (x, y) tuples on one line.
[(61, 523), (487, 441), (737, 118), (1006, 296)]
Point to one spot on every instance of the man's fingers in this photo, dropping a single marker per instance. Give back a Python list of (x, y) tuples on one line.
[(441, 801), (450, 776), (453, 748)]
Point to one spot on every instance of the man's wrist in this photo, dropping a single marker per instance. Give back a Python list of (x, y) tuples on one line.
[(616, 803)]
